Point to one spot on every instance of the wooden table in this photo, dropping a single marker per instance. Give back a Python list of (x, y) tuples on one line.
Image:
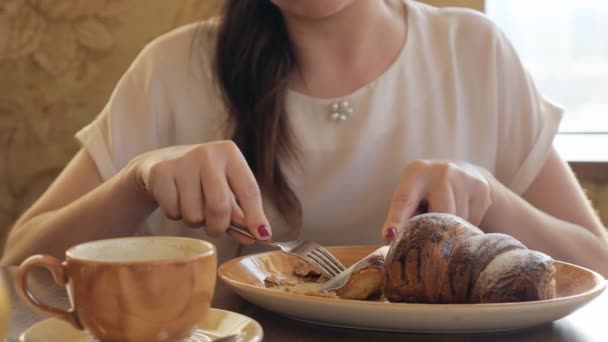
[(588, 324)]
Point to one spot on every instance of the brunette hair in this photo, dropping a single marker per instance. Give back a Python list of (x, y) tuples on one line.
[(252, 62)]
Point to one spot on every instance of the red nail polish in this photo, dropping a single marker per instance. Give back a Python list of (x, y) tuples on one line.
[(390, 233), (263, 231)]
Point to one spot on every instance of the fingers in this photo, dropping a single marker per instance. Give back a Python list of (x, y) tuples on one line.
[(218, 204), (477, 212), (462, 199), (248, 195), (462, 207), (472, 192), (439, 187), (191, 193), (208, 184), (479, 205), (237, 213), (441, 197), (239, 218), (164, 190), (191, 203), (405, 202), (240, 238), (230, 191)]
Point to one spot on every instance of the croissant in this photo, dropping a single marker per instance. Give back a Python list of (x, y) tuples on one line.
[(361, 281), (440, 258)]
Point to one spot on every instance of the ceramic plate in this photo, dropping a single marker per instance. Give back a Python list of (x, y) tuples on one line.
[(220, 323), (576, 286)]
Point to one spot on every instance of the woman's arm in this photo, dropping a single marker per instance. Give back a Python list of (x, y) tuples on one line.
[(554, 216), (195, 184), (78, 207)]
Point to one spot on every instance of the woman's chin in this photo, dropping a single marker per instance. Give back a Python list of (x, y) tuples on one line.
[(312, 9)]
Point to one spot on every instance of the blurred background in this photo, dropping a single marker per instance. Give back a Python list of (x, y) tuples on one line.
[(60, 60), (564, 44)]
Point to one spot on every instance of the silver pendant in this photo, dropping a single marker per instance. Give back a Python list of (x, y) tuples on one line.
[(341, 111)]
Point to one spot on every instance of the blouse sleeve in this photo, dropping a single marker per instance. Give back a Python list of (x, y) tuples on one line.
[(133, 119), (527, 122)]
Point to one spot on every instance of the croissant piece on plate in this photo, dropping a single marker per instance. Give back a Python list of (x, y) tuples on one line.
[(440, 258), (362, 280)]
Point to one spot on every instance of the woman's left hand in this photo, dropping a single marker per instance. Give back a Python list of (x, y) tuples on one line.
[(461, 189)]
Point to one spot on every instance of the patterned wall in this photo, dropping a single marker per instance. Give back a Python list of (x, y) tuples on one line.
[(59, 61)]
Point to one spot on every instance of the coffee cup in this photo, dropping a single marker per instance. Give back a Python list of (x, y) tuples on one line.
[(131, 289)]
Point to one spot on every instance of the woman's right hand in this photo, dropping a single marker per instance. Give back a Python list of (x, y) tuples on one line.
[(206, 185)]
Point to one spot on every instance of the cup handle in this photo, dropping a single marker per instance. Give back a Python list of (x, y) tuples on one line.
[(59, 273)]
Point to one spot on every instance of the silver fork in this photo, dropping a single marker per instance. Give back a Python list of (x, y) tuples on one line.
[(315, 254)]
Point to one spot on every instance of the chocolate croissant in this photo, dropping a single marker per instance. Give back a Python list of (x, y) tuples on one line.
[(440, 258)]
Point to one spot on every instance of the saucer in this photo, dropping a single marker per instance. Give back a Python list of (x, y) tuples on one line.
[(219, 323)]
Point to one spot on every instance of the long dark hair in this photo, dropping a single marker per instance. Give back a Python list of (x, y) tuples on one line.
[(252, 63)]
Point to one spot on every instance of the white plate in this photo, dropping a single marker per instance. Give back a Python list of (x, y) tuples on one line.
[(576, 286), (219, 323)]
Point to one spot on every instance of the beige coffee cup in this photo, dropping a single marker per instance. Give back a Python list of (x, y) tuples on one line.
[(131, 289)]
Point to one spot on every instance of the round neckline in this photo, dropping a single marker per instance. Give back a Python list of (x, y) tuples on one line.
[(396, 62)]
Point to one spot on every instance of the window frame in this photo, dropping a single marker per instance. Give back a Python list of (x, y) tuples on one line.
[(586, 152)]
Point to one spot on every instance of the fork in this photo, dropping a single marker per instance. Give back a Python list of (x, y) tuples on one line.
[(315, 254)]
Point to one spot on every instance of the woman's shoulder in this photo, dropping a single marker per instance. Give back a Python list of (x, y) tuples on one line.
[(201, 33), (187, 46), (457, 25)]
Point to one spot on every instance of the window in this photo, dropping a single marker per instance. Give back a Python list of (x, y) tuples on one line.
[(564, 44)]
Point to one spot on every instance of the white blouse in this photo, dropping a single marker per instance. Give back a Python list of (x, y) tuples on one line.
[(457, 91)]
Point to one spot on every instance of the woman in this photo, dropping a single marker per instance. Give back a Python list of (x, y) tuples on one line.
[(334, 121)]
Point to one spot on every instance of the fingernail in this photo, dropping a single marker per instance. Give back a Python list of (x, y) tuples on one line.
[(263, 231), (390, 233)]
